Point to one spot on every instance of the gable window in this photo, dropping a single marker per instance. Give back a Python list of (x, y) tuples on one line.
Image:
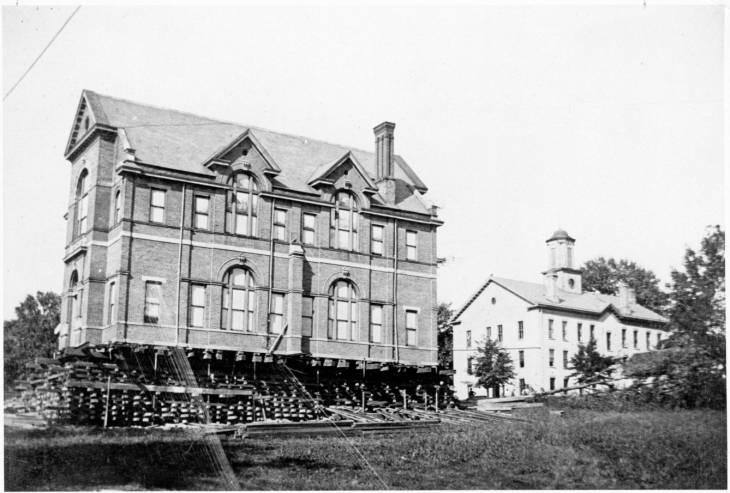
[(197, 305), (468, 338), (308, 221), (579, 332), (344, 222), (202, 205), (82, 203), (376, 323), (522, 358), (608, 341), (152, 295), (565, 330), (520, 330), (111, 317), (411, 245), (277, 313), (551, 357), (551, 334), (239, 300), (411, 327), (280, 224), (118, 207), (307, 315), (376, 239), (242, 205), (565, 359), (636, 339), (499, 333), (342, 310), (157, 205)]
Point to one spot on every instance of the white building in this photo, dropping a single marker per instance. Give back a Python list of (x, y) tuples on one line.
[(542, 324)]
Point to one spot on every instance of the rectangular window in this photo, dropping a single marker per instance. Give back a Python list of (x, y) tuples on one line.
[(648, 342), (579, 333), (376, 239), (280, 224), (499, 333), (593, 332), (197, 305), (552, 383), (523, 385), (242, 212), (468, 338), (489, 333), (308, 221), (551, 334), (566, 381), (152, 293), (565, 330), (636, 339), (201, 211), (157, 206), (658, 338), (520, 330), (608, 341), (277, 313), (551, 357), (112, 302), (470, 366), (565, 359), (522, 358), (411, 326), (376, 323), (623, 337), (307, 315), (82, 213), (411, 245)]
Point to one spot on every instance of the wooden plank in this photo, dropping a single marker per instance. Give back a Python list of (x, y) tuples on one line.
[(173, 389)]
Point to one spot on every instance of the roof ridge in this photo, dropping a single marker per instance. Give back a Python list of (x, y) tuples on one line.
[(472, 298), (225, 122)]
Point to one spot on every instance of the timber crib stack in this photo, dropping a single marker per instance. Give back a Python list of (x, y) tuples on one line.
[(86, 393)]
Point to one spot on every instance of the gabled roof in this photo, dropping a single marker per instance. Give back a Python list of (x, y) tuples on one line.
[(246, 135), (589, 301), (321, 173), (185, 142)]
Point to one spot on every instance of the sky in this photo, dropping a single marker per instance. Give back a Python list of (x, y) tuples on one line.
[(606, 121)]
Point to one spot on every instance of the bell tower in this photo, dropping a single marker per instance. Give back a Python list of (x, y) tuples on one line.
[(561, 270)]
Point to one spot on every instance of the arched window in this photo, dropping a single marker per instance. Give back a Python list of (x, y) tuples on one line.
[(242, 205), (239, 300), (343, 227), (82, 199), (71, 300), (342, 310), (118, 207)]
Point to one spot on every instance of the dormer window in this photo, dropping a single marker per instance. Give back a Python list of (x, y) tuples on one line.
[(86, 124), (343, 226), (242, 205)]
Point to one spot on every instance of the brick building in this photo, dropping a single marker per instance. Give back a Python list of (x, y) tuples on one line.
[(541, 325), (185, 231)]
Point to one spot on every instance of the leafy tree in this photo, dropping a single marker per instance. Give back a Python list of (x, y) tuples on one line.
[(603, 275), (493, 365), (445, 336), (690, 370), (589, 365), (30, 335)]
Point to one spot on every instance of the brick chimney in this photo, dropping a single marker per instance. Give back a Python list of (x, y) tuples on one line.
[(384, 150)]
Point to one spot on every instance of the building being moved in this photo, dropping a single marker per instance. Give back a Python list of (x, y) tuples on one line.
[(246, 244), (541, 325)]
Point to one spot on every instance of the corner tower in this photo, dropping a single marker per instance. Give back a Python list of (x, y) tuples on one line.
[(560, 263)]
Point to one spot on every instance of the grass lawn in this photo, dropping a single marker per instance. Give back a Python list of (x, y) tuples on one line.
[(581, 449)]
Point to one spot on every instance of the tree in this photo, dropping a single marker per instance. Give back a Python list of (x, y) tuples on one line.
[(445, 336), (31, 334), (493, 366), (589, 365), (603, 275), (690, 370)]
